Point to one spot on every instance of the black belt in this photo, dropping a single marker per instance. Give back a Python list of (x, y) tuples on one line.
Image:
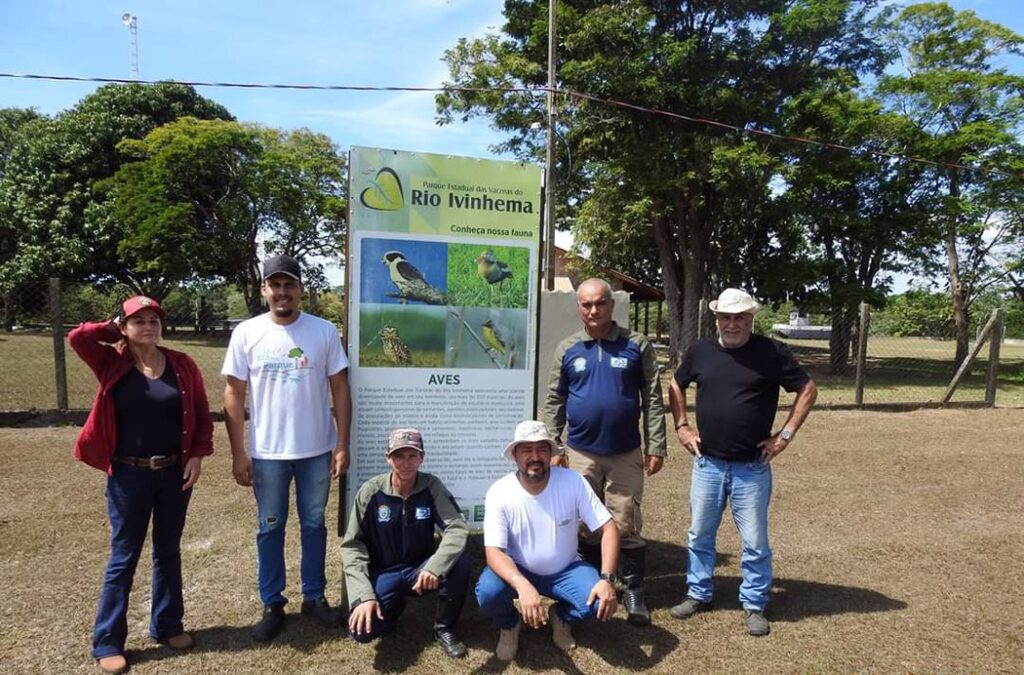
[(155, 462)]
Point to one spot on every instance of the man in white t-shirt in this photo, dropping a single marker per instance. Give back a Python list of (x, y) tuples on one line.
[(294, 368), (531, 521)]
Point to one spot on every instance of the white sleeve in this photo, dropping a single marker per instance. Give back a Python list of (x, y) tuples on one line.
[(592, 512), (336, 360), (495, 522), (236, 364)]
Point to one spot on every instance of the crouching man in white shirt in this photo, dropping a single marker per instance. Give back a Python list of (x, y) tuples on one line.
[(531, 524)]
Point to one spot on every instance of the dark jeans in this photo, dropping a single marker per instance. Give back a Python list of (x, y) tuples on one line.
[(133, 495), (393, 586)]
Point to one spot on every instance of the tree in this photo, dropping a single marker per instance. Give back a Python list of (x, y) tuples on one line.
[(207, 199), (12, 121), (701, 194), (969, 112), (49, 178), (858, 210)]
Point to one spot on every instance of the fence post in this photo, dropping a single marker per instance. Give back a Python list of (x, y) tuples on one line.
[(862, 353), (60, 371), (965, 367), (993, 358)]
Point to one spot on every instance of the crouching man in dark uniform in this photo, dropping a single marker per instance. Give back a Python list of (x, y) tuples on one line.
[(389, 551)]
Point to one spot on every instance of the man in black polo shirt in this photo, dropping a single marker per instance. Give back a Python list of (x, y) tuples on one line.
[(738, 376)]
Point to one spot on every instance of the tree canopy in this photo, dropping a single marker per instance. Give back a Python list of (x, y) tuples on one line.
[(48, 182)]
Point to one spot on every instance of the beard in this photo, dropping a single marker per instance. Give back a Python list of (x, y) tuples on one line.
[(284, 312), (536, 472)]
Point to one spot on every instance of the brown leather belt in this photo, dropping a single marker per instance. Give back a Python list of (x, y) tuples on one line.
[(155, 462)]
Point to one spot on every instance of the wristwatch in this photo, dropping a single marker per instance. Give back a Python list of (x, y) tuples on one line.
[(786, 435), (610, 577)]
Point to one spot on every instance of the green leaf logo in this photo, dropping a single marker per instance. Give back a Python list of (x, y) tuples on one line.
[(295, 353)]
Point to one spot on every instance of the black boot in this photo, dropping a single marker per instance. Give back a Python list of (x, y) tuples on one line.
[(590, 553), (634, 568), (448, 610)]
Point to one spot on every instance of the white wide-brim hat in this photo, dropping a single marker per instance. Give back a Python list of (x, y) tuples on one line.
[(527, 432), (733, 301)]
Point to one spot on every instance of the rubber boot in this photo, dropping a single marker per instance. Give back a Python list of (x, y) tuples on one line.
[(634, 568), (590, 553), (448, 611)]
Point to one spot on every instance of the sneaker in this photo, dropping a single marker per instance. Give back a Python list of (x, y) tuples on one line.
[(321, 611), (689, 607), (115, 664), (508, 643), (756, 623), (561, 633), (271, 624), (450, 643)]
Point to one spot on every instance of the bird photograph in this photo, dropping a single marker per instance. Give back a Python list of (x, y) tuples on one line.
[(488, 276), (395, 336), (492, 270), (410, 282), (492, 337), (481, 337), (402, 271)]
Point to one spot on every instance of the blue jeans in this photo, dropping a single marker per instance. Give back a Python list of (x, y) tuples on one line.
[(571, 587), (748, 488), (271, 483), (133, 495), (393, 586)]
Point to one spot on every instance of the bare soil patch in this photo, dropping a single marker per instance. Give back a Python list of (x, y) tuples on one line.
[(897, 543)]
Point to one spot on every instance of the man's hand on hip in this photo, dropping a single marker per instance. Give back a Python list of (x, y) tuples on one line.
[(771, 447), (690, 439)]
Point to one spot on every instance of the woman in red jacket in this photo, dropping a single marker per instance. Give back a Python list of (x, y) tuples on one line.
[(149, 429)]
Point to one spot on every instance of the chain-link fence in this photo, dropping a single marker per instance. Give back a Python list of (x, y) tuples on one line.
[(39, 372), (875, 364)]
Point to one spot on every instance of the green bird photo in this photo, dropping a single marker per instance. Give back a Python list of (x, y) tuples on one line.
[(488, 276)]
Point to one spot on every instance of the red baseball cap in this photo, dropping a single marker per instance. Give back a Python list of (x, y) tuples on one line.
[(139, 303)]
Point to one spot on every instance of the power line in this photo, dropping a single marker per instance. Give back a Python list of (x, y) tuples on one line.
[(754, 131)]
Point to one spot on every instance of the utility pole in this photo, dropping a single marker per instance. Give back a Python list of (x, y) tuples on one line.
[(549, 172)]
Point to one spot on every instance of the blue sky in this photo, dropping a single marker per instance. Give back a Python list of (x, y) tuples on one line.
[(330, 42), (327, 42)]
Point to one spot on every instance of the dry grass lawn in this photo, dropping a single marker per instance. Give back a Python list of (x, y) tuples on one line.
[(897, 538)]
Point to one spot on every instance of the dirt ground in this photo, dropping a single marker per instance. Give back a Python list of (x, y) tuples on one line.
[(897, 540)]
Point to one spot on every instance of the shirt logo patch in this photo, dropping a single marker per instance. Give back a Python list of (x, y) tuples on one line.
[(579, 364), (619, 362), (422, 513), (383, 513)]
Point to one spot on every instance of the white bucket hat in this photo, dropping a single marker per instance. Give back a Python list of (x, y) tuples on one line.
[(733, 301), (527, 432)]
